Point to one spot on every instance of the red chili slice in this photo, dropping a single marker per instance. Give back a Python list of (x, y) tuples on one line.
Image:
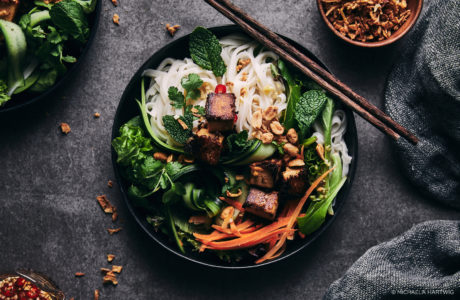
[(220, 89), (20, 281)]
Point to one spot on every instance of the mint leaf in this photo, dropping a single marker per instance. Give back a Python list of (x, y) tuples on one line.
[(176, 97), (205, 51), (191, 84), (69, 16), (308, 108), (175, 130)]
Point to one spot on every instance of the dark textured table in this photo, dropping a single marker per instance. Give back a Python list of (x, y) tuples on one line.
[(50, 220)]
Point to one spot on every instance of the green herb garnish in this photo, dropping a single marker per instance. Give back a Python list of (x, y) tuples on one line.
[(308, 108), (205, 51)]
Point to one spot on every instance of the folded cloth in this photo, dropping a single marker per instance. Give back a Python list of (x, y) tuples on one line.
[(423, 95), (422, 263)]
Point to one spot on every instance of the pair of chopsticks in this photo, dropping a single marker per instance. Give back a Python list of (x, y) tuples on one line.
[(314, 71)]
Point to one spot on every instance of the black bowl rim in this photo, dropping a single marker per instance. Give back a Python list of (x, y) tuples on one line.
[(343, 194), (70, 72)]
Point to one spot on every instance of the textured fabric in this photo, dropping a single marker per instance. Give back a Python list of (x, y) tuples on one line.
[(423, 94), (423, 263)]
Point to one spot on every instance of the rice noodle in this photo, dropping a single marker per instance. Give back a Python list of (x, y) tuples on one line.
[(259, 89)]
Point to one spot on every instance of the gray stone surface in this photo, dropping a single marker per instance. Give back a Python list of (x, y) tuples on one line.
[(50, 220)]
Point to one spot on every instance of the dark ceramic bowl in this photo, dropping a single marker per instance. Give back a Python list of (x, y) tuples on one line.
[(25, 99), (128, 109)]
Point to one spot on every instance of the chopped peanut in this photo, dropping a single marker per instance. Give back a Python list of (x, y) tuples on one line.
[(276, 128), (65, 128), (172, 29), (292, 136), (116, 19), (270, 113), (291, 149), (267, 137), (256, 121)]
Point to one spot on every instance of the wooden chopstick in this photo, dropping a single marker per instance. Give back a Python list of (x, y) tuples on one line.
[(331, 84)]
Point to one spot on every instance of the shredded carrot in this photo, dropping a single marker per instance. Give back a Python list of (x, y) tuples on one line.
[(293, 217), (233, 203), (302, 236), (203, 247), (234, 230), (245, 242), (220, 229)]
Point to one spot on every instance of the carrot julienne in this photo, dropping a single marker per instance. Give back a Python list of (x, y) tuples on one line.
[(293, 218)]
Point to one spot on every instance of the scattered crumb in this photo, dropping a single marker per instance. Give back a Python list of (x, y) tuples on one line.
[(115, 2), (114, 216), (105, 270), (96, 294), (172, 29), (65, 128), (117, 269), (79, 274), (110, 183), (110, 277), (105, 204), (113, 230), (97, 115), (110, 257), (116, 19)]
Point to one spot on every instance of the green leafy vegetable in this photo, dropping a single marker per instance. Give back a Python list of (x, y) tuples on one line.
[(3, 93), (238, 142), (293, 95), (45, 81), (326, 121), (87, 5), (175, 130), (308, 108), (191, 84), (205, 51), (70, 17), (16, 48), (176, 97), (316, 212)]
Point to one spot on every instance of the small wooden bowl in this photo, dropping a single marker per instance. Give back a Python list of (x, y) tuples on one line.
[(414, 5)]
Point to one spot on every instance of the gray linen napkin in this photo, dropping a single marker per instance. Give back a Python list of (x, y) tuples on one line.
[(422, 263), (423, 94)]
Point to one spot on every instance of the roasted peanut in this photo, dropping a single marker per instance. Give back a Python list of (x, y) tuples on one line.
[(292, 136), (256, 121), (291, 149), (270, 113), (298, 162), (267, 138), (160, 156), (276, 128)]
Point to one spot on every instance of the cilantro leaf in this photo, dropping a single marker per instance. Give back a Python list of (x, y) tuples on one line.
[(191, 84), (175, 130), (205, 51), (176, 97), (310, 105), (238, 142)]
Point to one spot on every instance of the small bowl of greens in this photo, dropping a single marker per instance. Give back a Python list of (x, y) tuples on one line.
[(227, 156), (41, 45)]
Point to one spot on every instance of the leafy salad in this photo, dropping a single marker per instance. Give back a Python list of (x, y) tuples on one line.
[(39, 41), (239, 194)]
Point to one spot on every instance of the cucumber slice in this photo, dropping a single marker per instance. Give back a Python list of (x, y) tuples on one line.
[(264, 151), (148, 126), (188, 196)]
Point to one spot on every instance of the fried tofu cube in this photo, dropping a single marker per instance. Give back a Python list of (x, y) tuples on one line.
[(206, 146), (220, 111), (8, 9), (265, 173), (261, 203), (295, 181)]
